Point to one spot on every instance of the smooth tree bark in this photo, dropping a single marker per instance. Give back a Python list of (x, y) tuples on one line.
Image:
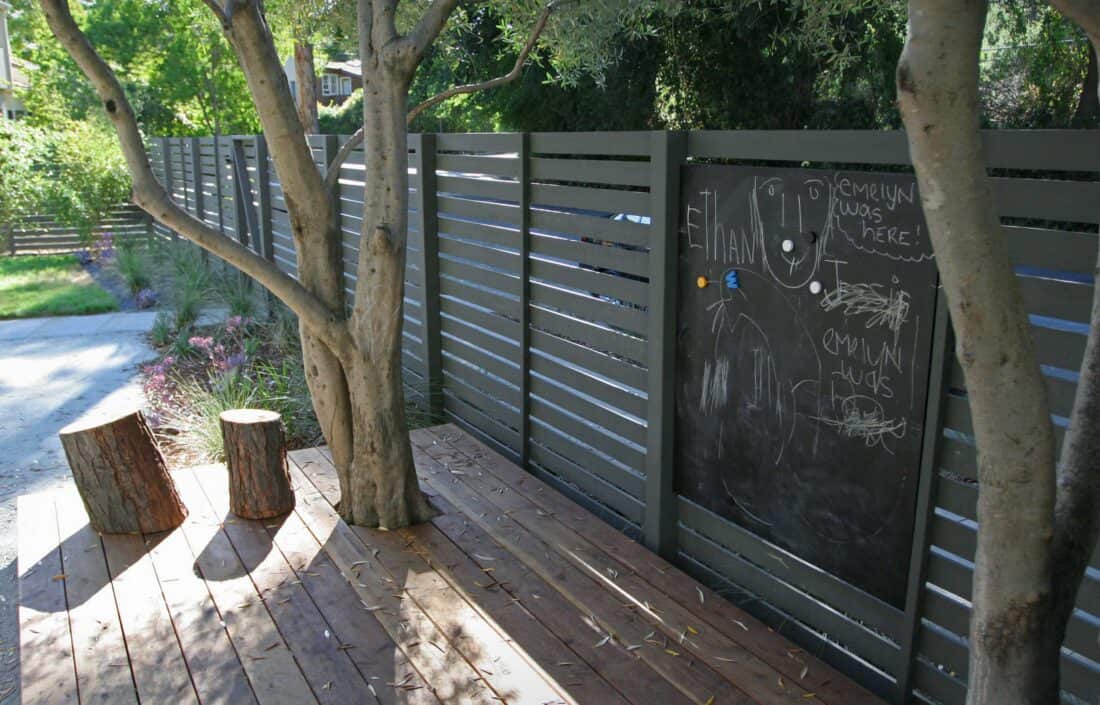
[(306, 72), (1037, 525), (352, 358)]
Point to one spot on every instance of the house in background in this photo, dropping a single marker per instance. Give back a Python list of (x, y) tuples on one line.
[(13, 75), (335, 82)]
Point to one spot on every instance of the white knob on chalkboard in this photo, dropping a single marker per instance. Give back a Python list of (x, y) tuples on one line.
[(815, 287), (788, 245)]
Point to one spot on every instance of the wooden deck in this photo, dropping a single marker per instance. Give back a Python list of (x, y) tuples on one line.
[(513, 594)]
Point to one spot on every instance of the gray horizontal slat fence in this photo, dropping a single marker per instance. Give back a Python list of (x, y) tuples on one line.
[(1049, 224), (540, 315), (43, 234)]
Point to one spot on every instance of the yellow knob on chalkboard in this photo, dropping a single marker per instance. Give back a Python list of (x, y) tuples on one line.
[(701, 282)]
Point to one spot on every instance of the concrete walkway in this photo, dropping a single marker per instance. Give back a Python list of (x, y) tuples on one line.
[(54, 371)]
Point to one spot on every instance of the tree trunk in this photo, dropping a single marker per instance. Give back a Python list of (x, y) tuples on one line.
[(306, 72), (1088, 107), (122, 477), (255, 454), (381, 487), (1013, 652)]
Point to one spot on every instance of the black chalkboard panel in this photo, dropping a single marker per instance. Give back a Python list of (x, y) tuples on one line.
[(806, 305)]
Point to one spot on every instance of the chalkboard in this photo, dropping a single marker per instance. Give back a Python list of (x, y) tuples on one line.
[(805, 313)]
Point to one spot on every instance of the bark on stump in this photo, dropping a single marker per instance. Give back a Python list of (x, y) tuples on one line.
[(122, 477), (255, 453)]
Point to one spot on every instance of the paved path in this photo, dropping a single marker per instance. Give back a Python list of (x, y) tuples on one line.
[(53, 371)]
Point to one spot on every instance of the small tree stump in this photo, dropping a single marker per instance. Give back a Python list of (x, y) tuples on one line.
[(255, 453), (122, 477)]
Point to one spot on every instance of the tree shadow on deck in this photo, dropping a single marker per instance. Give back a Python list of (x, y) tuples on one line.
[(80, 566)]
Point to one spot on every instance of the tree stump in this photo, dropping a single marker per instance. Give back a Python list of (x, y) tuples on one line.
[(122, 477), (255, 453)]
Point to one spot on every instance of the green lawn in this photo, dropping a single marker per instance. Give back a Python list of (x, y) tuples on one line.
[(49, 285)]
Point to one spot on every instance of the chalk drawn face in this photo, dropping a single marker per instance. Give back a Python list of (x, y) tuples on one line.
[(790, 222)]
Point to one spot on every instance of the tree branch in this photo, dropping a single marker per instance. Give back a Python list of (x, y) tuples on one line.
[(1085, 13), (333, 176), (430, 25), (512, 75), (218, 11), (150, 195), (248, 33), (1077, 503)]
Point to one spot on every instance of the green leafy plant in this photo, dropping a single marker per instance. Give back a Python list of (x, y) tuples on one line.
[(88, 174)]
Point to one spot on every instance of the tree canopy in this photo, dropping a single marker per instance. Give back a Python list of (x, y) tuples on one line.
[(691, 64)]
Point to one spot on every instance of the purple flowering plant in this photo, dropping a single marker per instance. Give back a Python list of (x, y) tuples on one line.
[(146, 298), (101, 248)]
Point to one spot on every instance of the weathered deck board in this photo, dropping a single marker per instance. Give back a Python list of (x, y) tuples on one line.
[(482, 591), (453, 678), (268, 663), (102, 662), (48, 671), (511, 594), (616, 621), (159, 669), (331, 673), (213, 663), (705, 606)]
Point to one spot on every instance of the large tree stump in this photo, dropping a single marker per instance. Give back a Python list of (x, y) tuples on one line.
[(255, 453), (122, 477)]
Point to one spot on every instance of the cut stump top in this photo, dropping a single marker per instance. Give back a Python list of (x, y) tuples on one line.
[(249, 416), (97, 420)]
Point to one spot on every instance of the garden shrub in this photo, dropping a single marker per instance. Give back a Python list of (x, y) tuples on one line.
[(74, 172)]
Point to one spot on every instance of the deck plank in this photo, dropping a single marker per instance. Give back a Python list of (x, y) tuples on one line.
[(697, 680), (790, 663), (102, 664), (47, 668), (375, 654), (332, 675), (580, 641), (454, 679), (514, 676), (160, 671), (512, 594), (268, 663), (547, 628), (213, 663)]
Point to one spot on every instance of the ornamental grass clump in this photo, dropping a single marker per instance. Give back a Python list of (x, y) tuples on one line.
[(239, 364)]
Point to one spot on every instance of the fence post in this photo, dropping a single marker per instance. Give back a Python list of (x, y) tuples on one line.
[(196, 184), (248, 235), (265, 244), (942, 355), (667, 151), (263, 199), (524, 149), (170, 170), (428, 264), (196, 179)]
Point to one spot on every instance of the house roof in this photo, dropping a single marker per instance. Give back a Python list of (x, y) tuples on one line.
[(354, 67)]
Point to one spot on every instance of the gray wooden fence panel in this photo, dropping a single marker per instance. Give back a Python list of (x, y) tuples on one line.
[(42, 234), (539, 301)]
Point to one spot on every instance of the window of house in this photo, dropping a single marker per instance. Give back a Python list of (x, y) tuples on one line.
[(294, 90), (345, 86), (328, 85)]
